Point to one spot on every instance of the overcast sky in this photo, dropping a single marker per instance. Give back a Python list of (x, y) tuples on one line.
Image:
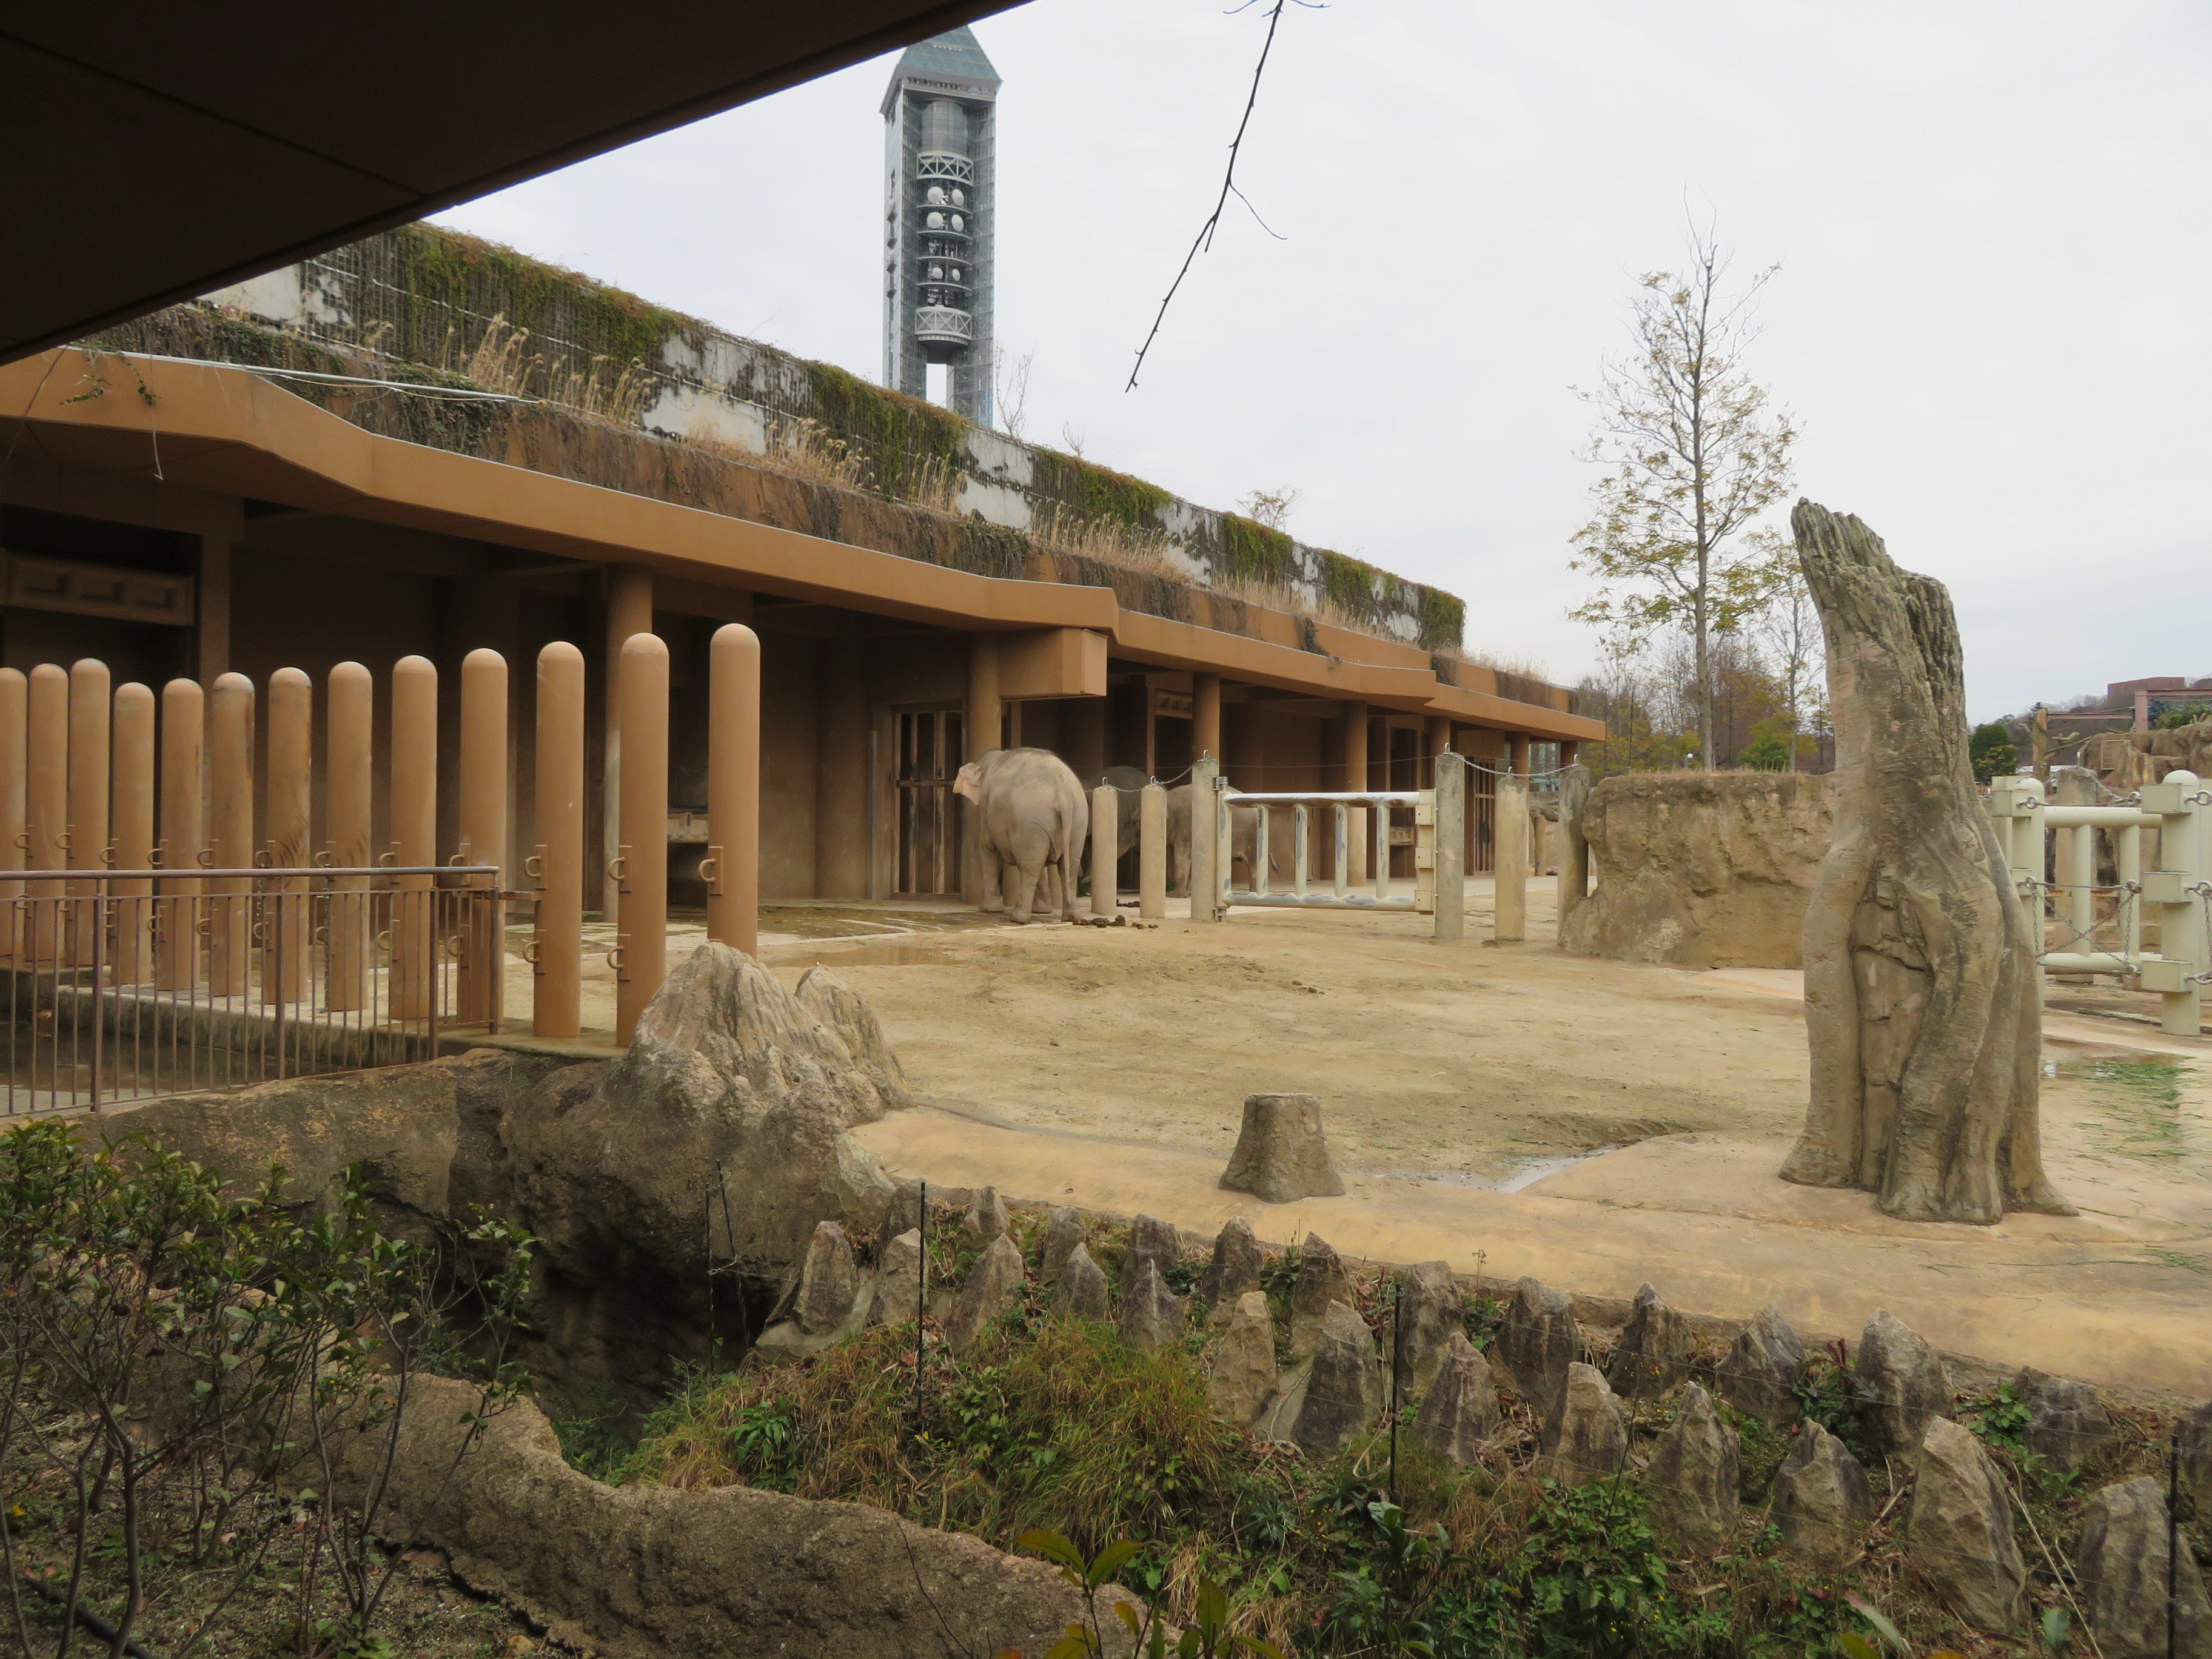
[(1989, 320)]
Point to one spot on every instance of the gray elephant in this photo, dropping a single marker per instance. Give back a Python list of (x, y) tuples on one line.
[(1244, 841), (1033, 820)]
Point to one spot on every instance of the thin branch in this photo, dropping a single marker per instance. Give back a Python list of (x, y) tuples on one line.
[(1204, 237)]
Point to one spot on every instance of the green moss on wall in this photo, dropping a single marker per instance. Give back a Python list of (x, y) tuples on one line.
[(1251, 552), (1098, 491), (899, 435), (440, 269), (1443, 618)]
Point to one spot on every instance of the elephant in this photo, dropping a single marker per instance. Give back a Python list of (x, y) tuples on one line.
[(1244, 841), (1033, 820)]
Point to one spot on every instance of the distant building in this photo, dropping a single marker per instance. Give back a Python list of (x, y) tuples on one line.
[(940, 210)]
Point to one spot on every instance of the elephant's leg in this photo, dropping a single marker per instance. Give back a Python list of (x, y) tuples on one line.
[(989, 861), (1021, 889)]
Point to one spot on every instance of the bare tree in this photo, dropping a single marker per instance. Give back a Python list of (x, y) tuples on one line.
[(1790, 629), (1695, 456), (1010, 391), (1271, 507)]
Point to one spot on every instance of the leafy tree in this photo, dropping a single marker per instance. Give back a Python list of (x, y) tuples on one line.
[(1693, 457), (2171, 719), (1990, 751), (1769, 751)]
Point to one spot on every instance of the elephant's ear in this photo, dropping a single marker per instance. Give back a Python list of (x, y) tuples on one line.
[(969, 784)]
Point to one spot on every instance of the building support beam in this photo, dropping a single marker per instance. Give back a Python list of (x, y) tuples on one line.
[(629, 611)]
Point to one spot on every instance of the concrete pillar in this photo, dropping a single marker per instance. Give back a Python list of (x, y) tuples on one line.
[(1516, 746), (733, 789), (629, 612), (557, 864), (1152, 853), (230, 829), (641, 864), (1574, 855), (482, 838), (285, 819), (134, 833), (349, 809), (1436, 738), (184, 738), (414, 821), (1568, 753), (1105, 849), (1206, 715), (842, 856), (1354, 740), (15, 761), (211, 657), (983, 730), (1450, 850), (1205, 843), (46, 803), (1511, 922), (90, 772)]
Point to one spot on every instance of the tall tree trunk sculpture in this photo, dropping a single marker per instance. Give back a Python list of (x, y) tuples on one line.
[(1922, 995)]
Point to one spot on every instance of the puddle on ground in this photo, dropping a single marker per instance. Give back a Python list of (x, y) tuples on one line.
[(1520, 1172), (863, 956)]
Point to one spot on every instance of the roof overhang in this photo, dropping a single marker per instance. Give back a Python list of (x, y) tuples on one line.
[(158, 152)]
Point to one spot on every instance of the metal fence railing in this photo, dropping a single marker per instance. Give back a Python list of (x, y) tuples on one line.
[(125, 985)]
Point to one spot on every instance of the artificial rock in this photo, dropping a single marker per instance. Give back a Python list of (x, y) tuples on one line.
[(1282, 1152), (1152, 1316), (1822, 1501), (1760, 1376), (2195, 1470), (1429, 1309), (846, 1013), (1081, 1292), (1343, 1390), (1589, 1438), (898, 1280), (828, 1283), (1322, 1280), (1958, 1531), (1152, 1240), (2066, 1420), (1536, 1343), (1902, 1382), (2121, 1565), (1061, 1235), (1240, 1378), (1691, 1482), (1459, 1414), (1236, 1267), (987, 1217), (1654, 1351), (994, 1287)]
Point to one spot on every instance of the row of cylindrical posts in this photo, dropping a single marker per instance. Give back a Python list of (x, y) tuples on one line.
[(92, 781), (1151, 850)]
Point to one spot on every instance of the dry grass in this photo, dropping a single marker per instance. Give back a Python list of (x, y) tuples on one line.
[(502, 361)]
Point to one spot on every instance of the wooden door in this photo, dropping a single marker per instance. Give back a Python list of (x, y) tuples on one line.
[(927, 759)]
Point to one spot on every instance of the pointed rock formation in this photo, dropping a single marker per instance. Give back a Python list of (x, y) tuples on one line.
[(1536, 1343), (1241, 1377), (1081, 1290), (1589, 1439), (1151, 1317), (1322, 1280), (845, 1011), (993, 1289), (1343, 1389), (1061, 1237), (2195, 1430), (1902, 1384), (1958, 1531), (1759, 1376), (1691, 1482), (1282, 1153), (1236, 1267), (1152, 1240), (828, 1283), (1430, 1308), (986, 1216), (2123, 1566), (898, 1280), (2066, 1420), (1822, 1502), (1459, 1414), (1654, 1351)]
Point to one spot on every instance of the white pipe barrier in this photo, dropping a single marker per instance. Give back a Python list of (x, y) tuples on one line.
[(2180, 968)]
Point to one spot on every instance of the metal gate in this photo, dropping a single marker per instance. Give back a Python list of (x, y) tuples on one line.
[(928, 759)]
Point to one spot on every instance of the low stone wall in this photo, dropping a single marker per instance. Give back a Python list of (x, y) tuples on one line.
[(1701, 869)]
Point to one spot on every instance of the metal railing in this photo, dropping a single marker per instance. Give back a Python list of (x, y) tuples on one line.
[(128, 985)]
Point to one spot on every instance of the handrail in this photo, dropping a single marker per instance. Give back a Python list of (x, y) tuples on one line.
[(194, 873)]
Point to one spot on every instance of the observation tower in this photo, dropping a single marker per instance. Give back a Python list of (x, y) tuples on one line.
[(940, 151)]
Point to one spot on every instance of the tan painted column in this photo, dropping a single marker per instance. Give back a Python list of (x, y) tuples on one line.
[(557, 810), (134, 833), (1436, 738), (483, 756), (414, 819), (14, 781), (1205, 716), (841, 853), (46, 803), (1512, 830), (981, 883), (211, 655), (1516, 745), (1568, 753), (230, 829), (733, 789), (1152, 852), (1105, 849), (90, 772), (1449, 845), (184, 741), (641, 866), (285, 830), (629, 612), (1355, 780), (349, 719)]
